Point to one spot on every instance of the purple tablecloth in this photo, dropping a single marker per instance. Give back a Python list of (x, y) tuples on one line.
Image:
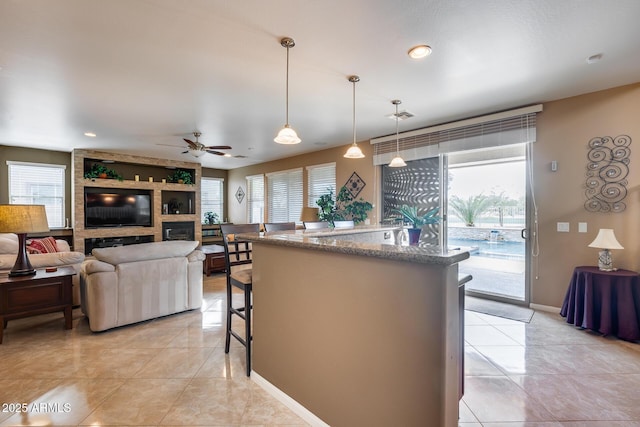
[(604, 301)]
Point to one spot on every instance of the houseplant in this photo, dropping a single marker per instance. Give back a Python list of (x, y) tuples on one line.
[(180, 176), (345, 207), (410, 214), (98, 170), (211, 218)]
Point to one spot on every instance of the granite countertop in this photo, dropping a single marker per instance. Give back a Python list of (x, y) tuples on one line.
[(352, 241)]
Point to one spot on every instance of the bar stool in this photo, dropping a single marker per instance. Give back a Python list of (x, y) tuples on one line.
[(238, 253), (279, 226)]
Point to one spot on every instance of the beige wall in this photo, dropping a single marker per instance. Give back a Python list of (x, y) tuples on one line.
[(564, 130), (30, 155), (344, 169)]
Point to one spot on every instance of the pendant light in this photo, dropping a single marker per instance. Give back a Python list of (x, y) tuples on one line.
[(354, 152), (287, 135), (397, 161)]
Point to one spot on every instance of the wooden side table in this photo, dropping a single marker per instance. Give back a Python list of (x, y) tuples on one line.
[(214, 261), (44, 292)]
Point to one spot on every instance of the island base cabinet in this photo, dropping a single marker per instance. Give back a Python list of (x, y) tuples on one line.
[(358, 340)]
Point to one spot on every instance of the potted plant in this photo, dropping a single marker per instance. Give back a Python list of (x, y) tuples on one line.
[(181, 177), (327, 206), (344, 207), (410, 214), (98, 170), (211, 218)]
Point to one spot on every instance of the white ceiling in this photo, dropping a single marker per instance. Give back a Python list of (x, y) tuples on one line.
[(140, 73)]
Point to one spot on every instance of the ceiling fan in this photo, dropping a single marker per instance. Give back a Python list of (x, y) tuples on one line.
[(198, 149)]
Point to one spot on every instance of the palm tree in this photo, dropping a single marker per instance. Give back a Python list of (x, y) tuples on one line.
[(471, 208)]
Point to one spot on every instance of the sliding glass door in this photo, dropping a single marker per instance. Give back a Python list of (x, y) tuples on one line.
[(487, 214)]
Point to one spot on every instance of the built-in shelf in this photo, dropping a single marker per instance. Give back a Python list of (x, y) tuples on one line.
[(128, 166)]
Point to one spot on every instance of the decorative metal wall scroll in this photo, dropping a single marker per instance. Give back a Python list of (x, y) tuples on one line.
[(355, 184), (239, 194), (607, 172)]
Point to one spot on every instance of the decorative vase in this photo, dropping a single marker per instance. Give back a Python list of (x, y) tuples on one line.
[(414, 236), (102, 176)]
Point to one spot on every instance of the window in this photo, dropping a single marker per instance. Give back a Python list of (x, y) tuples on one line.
[(255, 199), (39, 184), (211, 197), (321, 178), (285, 195)]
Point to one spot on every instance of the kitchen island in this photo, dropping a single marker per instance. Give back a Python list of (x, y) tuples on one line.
[(356, 329)]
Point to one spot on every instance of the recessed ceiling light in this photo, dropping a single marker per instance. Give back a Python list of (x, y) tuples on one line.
[(594, 58), (90, 134), (227, 155), (420, 51)]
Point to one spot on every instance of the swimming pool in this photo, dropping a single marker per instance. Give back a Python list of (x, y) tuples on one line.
[(485, 248)]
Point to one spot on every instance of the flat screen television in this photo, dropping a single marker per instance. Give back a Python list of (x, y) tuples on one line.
[(116, 208)]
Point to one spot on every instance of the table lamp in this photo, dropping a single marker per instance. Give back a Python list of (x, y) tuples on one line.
[(605, 240), (23, 219), (309, 214)]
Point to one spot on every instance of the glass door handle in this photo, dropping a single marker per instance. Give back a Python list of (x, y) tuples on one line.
[(524, 233)]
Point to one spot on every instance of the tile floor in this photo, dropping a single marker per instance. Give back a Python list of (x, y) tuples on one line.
[(173, 372)]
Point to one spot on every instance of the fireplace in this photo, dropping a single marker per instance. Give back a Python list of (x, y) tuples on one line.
[(178, 230)]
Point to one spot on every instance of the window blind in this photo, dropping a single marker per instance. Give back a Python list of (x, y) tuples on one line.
[(255, 199), (211, 197), (39, 184), (499, 129), (320, 179), (285, 195)]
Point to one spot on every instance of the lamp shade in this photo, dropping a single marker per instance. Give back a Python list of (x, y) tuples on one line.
[(309, 214), (354, 152), (287, 136), (397, 162), (605, 239), (20, 219), (197, 153)]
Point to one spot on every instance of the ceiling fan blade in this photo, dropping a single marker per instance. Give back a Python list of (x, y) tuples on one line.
[(217, 153), (218, 147), (171, 145), (192, 144)]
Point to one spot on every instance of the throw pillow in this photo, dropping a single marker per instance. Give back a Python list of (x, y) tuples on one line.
[(42, 246)]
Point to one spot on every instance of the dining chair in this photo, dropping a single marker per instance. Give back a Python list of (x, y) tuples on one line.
[(344, 224), (279, 226), (238, 261), (315, 225)]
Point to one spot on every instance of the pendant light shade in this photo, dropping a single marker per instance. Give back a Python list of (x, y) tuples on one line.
[(397, 161), (287, 135), (354, 152)]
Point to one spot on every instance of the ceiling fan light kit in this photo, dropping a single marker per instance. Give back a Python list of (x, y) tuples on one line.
[(287, 135), (198, 149), (354, 152)]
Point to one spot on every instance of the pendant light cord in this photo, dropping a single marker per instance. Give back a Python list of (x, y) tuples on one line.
[(354, 112), (397, 133), (287, 91)]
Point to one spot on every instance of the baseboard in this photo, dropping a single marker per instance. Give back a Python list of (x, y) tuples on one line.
[(547, 308), (287, 401)]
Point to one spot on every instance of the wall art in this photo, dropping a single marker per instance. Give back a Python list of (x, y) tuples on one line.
[(607, 172), (355, 184), (239, 194)]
